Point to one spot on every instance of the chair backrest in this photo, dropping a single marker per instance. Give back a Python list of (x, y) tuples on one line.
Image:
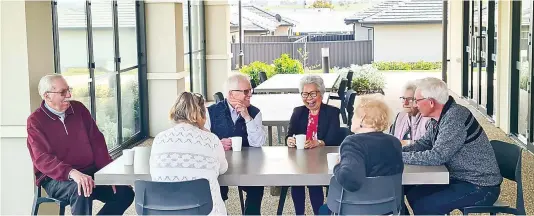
[(349, 79), (342, 88), (377, 196), (218, 97), (350, 96), (508, 157), (344, 132), (263, 77), (173, 198)]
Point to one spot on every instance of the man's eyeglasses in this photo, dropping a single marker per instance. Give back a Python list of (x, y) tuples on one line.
[(62, 93), (312, 94), (417, 100), (245, 92), (409, 99)]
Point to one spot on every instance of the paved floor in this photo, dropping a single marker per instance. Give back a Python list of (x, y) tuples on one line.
[(395, 82)]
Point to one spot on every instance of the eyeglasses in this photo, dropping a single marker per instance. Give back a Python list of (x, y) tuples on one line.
[(312, 94), (417, 100), (62, 93), (245, 92), (409, 99)]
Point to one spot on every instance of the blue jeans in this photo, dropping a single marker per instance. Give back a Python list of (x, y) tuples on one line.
[(443, 199), (299, 195)]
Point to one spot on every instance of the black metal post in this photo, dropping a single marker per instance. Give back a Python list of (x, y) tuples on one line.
[(241, 55), (444, 58), (326, 64)]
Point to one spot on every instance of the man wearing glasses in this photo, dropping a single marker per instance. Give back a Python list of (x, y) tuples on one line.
[(236, 117), (67, 148)]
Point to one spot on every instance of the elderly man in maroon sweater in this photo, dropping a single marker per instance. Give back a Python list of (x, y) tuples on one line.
[(67, 148)]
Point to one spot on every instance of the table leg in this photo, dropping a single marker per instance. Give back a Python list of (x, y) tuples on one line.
[(282, 200), (270, 132)]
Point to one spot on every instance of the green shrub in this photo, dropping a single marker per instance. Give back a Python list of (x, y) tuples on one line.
[(253, 70), (287, 65), (322, 4), (420, 65)]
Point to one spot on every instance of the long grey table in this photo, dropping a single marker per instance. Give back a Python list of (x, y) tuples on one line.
[(289, 83), (276, 109), (274, 166)]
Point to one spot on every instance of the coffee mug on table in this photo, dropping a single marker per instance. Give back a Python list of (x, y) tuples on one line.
[(128, 156), (300, 140), (332, 160), (237, 143)]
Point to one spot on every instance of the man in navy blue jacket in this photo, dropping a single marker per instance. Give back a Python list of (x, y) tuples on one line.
[(234, 116)]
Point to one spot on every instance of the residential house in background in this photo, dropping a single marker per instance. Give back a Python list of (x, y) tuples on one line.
[(402, 30), (257, 22), (316, 21)]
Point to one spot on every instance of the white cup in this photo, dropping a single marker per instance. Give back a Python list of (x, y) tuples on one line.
[(332, 160), (128, 156), (300, 140), (237, 143), (142, 160)]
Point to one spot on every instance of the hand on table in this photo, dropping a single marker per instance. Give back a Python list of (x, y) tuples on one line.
[(227, 144), (313, 143), (291, 142)]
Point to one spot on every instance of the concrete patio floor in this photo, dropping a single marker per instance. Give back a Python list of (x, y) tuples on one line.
[(395, 81)]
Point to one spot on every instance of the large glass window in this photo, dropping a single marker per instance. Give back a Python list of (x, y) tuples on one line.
[(96, 45), (197, 45), (524, 71)]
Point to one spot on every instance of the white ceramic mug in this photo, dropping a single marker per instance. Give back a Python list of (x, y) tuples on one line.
[(237, 143), (332, 160), (128, 156), (300, 140), (141, 159)]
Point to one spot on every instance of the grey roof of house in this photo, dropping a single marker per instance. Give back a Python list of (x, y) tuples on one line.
[(403, 11), (71, 14), (268, 15), (372, 10)]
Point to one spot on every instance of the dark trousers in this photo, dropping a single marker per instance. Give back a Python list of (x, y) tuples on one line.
[(443, 199), (299, 198), (67, 191), (252, 201)]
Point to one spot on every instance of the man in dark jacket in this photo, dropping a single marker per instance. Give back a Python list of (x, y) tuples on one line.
[(67, 148), (454, 139)]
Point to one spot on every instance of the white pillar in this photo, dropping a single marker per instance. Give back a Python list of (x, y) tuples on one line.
[(165, 60), (455, 49), (502, 72), (26, 49), (218, 56)]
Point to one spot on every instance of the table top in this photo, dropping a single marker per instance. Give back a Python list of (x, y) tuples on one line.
[(274, 166), (277, 109), (289, 83)]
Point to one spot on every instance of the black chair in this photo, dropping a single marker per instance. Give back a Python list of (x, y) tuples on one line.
[(263, 77), (252, 83), (377, 196), (173, 198), (345, 132), (509, 159), (38, 199), (218, 97), (350, 96), (341, 96), (349, 79)]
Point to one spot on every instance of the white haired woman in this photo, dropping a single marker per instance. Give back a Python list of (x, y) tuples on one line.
[(320, 123), (200, 153), (409, 125)]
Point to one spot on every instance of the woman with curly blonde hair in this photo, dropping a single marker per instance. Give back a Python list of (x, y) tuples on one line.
[(188, 151)]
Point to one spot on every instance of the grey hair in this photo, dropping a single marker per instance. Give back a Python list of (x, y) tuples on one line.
[(410, 86), (434, 88), (232, 82), (312, 79), (45, 84)]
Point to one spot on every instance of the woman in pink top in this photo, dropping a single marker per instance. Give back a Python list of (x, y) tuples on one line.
[(409, 124)]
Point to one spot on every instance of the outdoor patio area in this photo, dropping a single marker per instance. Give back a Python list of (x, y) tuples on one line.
[(394, 84)]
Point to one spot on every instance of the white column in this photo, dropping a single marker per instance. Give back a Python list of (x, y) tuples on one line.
[(26, 55), (502, 72), (455, 49), (165, 60), (218, 56)]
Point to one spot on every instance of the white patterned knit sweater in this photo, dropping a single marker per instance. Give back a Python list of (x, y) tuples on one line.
[(185, 152)]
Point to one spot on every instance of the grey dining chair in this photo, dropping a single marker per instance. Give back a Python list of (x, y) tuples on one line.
[(39, 199), (377, 196), (173, 198), (509, 159)]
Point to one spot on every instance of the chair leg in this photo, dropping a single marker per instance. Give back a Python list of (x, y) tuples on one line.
[(241, 201), (61, 210), (35, 208)]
